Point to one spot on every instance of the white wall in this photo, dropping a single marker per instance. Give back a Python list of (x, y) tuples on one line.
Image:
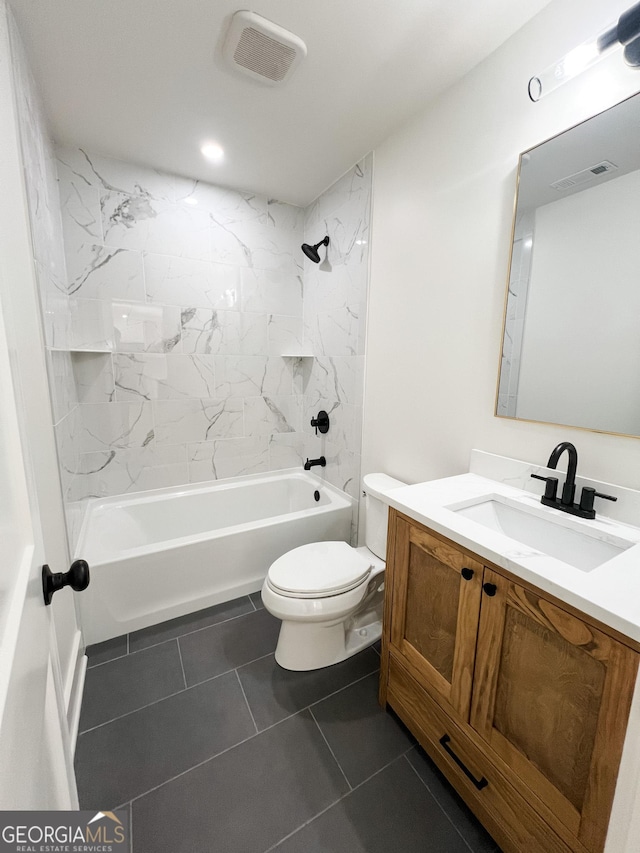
[(444, 187), (580, 361)]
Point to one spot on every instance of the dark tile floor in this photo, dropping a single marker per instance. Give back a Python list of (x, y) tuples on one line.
[(193, 726)]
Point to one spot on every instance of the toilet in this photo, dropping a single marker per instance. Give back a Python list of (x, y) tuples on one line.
[(330, 595)]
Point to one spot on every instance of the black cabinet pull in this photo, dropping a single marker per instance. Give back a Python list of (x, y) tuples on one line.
[(479, 783), (467, 574), (490, 589), (77, 578)]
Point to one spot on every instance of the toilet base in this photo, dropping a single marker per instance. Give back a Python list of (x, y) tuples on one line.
[(304, 646)]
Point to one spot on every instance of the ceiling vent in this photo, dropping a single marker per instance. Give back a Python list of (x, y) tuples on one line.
[(584, 176), (261, 49)]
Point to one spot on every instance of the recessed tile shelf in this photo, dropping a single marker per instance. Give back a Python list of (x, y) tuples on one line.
[(73, 350), (297, 355)]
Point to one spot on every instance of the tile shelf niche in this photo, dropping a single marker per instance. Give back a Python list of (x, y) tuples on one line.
[(74, 350)]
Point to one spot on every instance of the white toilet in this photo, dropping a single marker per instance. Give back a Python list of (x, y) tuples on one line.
[(329, 595)]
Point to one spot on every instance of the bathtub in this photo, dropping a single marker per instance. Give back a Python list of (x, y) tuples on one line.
[(160, 554)]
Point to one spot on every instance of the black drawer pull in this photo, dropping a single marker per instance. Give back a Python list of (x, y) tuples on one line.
[(480, 784), (467, 574), (490, 589)]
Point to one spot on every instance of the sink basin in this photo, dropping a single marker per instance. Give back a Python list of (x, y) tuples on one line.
[(553, 535)]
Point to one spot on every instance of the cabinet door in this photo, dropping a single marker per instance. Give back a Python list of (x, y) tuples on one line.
[(551, 697), (436, 600)]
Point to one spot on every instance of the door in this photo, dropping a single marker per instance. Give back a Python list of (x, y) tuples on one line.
[(552, 697), (35, 753), (436, 601)]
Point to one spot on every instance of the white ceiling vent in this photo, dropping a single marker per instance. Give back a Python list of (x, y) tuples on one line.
[(261, 49), (584, 176)]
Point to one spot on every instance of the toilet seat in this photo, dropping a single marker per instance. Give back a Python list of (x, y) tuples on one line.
[(318, 570)]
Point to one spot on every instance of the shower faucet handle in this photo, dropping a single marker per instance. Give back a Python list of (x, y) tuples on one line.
[(321, 422)]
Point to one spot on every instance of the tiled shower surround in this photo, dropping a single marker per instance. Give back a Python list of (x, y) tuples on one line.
[(169, 340)]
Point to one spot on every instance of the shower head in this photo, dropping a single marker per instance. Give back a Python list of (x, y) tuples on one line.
[(312, 251)]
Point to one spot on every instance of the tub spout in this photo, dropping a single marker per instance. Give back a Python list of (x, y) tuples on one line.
[(308, 465)]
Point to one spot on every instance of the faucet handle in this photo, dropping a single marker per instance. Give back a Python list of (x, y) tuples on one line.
[(587, 496), (551, 488)]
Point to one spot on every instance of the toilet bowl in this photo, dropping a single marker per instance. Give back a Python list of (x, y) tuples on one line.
[(330, 595)]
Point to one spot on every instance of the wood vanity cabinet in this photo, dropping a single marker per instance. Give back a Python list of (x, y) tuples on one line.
[(520, 700)]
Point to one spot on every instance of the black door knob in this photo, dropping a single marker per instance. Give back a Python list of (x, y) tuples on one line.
[(490, 589), (77, 578), (467, 574)]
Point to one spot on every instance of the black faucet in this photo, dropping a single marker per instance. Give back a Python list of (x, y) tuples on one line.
[(569, 488), (585, 508), (308, 465)]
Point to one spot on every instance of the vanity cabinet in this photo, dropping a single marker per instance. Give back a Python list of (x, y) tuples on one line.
[(520, 700)]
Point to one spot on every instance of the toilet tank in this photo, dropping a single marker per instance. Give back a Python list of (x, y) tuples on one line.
[(377, 512)]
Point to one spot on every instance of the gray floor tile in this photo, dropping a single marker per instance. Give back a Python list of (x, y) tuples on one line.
[(274, 693), (222, 647), (110, 649), (389, 812), (191, 622), (257, 600), (465, 821), (245, 800), (125, 758), (363, 736), (130, 682)]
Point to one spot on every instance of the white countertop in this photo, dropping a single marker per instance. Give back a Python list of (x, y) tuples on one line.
[(610, 592)]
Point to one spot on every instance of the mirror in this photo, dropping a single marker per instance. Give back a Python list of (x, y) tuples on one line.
[(571, 338)]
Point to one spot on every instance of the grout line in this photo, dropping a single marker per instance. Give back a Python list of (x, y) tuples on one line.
[(247, 702), (184, 676), (252, 602), (239, 743), (168, 640), (340, 689), (308, 707), (182, 690), (335, 803), (440, 806), (257, 734), (195, 767), (333, 755), (102, 663), (135, 711), (196, 630)]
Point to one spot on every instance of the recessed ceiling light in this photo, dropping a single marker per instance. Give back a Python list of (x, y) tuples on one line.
[(212, 151)]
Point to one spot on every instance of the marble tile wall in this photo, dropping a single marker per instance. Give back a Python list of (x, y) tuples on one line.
[(179, 313), (334, 314), (182, 297)]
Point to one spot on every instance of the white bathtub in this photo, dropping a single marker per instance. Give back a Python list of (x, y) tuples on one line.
[(160, 554)]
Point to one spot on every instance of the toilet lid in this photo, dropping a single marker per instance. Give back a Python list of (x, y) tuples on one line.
[(318, 570)]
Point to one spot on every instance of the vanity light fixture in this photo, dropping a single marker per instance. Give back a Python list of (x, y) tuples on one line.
[(625, 31), (212, 151)]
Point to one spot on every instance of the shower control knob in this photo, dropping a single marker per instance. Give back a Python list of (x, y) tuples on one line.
[(321, 422), (77, 578)]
